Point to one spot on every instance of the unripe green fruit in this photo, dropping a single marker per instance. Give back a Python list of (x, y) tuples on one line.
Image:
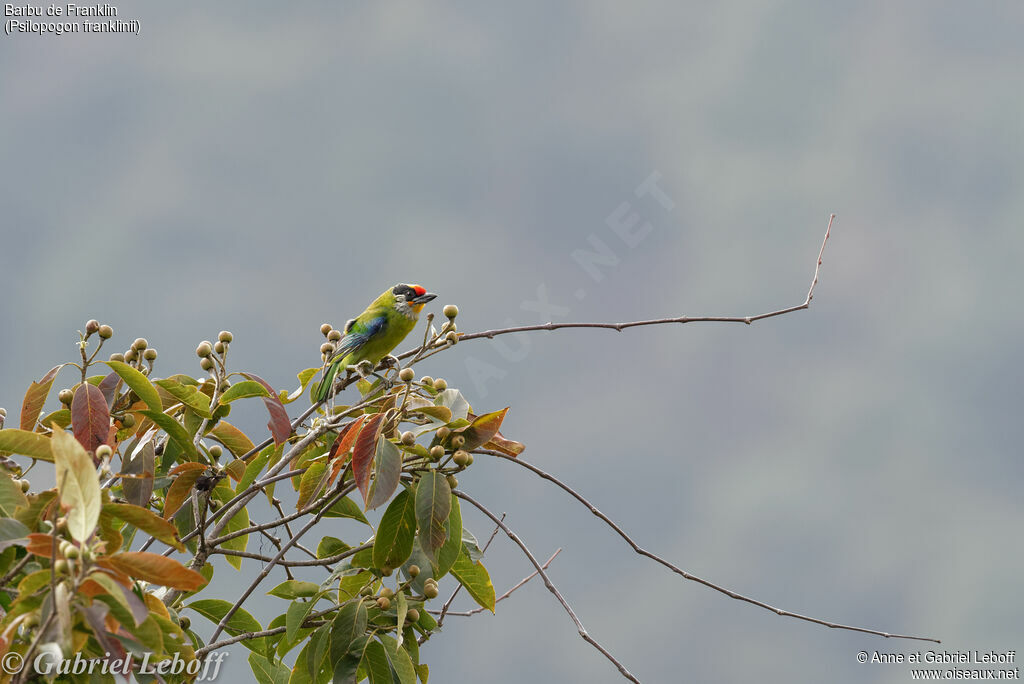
[(225, 336), (406, 375), (204, 349), (130, 356), (87, 555), (71, 552), (104, 450), (3, 412), (440, 384), (408, 439), (461, 458), (106, 332), (326, 348), (470, 461), (216, 450), (383, 603), (184, 622), (326, 328), (453, 481), (387, 570), (334, 335), (32, 620), (427, 380), (458, 441), (219, 347), (92, 326), (436, 452), (450, 310), (128, 420), (206, 364), (60, 567), (386, 592), (366, 591), (140, 343), (430, 591), (25, 486), (412, 615), (65, 396), (443, 432), (149, 354), (117, 357), (413, 571)]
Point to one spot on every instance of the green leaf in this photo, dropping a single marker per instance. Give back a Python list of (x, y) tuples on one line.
[(387, 469), (348, 625), (396, 532), (433, 504), (267, 672), (175, 430), (298, 611), (256, 466), (401, 610), (239, 623), (11, 496), (11, 532), (35, 399), (375, 660), (31, 444), (346, 508), (238, 521), (146, 520), (242, 390), (452, 546), (189, 395), (398, 659), (304, 378), (78, 485), (311, 484), (475, 578), (139, 383), (293, 589), (331, 546)]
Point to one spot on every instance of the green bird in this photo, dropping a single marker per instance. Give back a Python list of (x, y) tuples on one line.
[(374, 333)]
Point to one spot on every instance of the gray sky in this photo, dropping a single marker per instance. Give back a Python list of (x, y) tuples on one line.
[(263, 168)]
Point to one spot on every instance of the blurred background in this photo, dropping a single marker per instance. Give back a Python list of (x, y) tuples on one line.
[(264, 168)]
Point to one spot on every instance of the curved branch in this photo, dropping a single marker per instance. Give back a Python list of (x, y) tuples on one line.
[(682, 573)]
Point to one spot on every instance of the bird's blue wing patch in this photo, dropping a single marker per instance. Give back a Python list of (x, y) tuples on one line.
[(356, 338)]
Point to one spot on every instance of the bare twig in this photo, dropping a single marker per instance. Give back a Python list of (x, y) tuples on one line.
[(491, 334), (682, 573), (504, 596), (547, 582)]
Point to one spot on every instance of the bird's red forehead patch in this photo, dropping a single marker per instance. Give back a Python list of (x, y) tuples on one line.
[(420, 291)]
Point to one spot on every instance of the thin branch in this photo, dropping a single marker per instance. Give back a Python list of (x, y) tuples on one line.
[(504, 596), (547, 582), (273, 561), (448, 603), (491, 334), (682, 573), (326, 562)]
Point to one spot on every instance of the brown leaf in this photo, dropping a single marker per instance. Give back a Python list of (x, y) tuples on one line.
[(279, 424), (232, 438), (154, 568), (35, 398), (362, 454), (40, 544), (180, 489), (509, 447), (90, 418), (482, 429)]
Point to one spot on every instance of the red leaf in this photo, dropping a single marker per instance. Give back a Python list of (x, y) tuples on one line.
[(40, 544), (362, 454), (341, 446), (35, 397), (280, 426), (108, 386), (154, 568), (482, 429), (90, 418), (509, 447)]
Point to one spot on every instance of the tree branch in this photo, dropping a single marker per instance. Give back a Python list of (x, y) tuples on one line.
[(504, 596), (547, 582), (682, 573)]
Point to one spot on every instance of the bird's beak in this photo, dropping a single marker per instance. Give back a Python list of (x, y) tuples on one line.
[(424, 298)]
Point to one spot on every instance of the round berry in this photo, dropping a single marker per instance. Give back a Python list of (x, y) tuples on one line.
[(461, 458), (117, 357), (104, 450), (106, 332), (326, 348), (451, 311), (440, 384), (453, 481), (149, 354), (407, 375), (436, 451), (383, 603), (412, 615), (219, 347), (92, 326), (204, 349), (430, 591), (225, 336), (458, 441), (408, 439), (334, 335), (413, 571), (206, 364), (427, 380), (443, 432), (65, 396), (140, 343), (25, 486), (326, 328)]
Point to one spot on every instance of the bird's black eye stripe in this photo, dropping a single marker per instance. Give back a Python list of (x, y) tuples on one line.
[(404, 290)]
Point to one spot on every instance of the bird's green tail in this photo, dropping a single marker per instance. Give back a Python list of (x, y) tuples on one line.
[(324, 388)]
